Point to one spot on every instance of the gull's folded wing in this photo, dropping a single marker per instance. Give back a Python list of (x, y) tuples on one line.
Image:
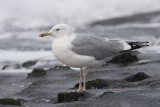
[(98, 47)]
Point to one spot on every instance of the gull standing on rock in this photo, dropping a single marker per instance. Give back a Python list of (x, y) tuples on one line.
[(85, 51)]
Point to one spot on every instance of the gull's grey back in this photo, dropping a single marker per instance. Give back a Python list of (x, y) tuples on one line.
[(95, 46)]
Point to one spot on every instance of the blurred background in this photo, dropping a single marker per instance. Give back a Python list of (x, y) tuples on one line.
[(21, 21)]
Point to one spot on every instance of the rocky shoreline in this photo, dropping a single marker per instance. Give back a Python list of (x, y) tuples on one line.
[(112, 85)]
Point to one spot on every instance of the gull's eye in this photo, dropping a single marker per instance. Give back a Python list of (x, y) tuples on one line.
[(57, 29)]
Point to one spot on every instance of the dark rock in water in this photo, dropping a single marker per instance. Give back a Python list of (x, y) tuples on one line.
[(10, 101), (124, 58), (62, 67), (137, 77), (37, 73), (12, 66), (29, 63), (72, 96), (94, 84)]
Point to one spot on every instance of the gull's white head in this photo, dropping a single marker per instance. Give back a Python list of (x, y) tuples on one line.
[(59, 31)]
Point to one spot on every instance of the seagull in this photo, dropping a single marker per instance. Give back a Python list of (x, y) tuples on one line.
[(86, 51)]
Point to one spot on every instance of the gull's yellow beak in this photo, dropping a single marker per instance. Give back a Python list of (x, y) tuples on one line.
[(45, 34)]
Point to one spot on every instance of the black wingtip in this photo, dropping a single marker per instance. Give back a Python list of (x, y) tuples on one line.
[(136, 45)]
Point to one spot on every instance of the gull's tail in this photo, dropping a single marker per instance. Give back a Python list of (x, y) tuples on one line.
[(136, 45)]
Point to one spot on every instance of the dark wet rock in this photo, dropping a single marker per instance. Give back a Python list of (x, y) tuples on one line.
[(10, 101), (137, 77), (12, 66), (94, 84), (37, 73), (103, 83), (124, 59), (72, 96), (62, 67), (29, 63), (138, 18)]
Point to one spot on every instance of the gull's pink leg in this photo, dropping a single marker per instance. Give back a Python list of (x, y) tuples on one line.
[(84, 82), (80, 82)]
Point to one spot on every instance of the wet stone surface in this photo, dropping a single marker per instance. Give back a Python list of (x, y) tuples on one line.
[(137, 77), (28, 64), (124, 58), (37, 73), (54, 89), (72, 96), (10, 101)]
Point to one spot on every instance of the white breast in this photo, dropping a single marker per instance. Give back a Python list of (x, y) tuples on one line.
[(61, 48)]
